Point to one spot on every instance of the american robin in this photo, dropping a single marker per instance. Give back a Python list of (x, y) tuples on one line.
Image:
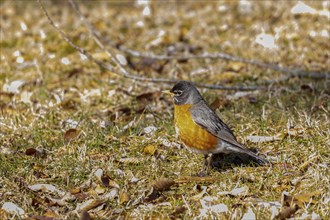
[(200, 128)]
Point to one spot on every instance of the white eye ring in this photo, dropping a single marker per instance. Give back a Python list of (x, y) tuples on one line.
[(178, 92)]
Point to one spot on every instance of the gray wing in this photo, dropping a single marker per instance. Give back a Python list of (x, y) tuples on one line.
[(205, 117)]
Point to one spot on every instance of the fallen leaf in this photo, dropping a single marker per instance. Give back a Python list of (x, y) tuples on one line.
[(89, 204), (99, 189), (163, 184), (300, 199), (150, 149), (71, 134), (75, 191), (84, 215), (46, 188), (123, 197), (178, 211), (286, 212), (218, 103)]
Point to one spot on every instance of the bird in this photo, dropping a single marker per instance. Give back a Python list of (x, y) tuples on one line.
[(200, 129)]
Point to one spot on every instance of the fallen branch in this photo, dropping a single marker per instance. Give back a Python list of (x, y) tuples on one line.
[(292, 72), (120, 70)]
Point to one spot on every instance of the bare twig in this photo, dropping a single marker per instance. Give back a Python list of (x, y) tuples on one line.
[(292, 72), (120, 70)]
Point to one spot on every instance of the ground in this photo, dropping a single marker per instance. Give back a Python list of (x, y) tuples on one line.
[(106, 145)]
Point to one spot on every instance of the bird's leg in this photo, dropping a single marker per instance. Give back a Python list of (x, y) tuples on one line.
[(206, 165)]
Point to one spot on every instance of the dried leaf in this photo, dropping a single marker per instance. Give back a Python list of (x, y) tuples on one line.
[(35, 152), (150, 149), (286, 212), (46, 188), (300, 199), (106, 181), (178, 211), (71, 134), (75, 191), (163, 184), (84, 215), (152, 196), (89, 204), (123, 197), (219, 102), (99, 189), (30, 151)]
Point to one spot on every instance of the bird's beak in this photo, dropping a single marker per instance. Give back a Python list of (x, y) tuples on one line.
[(168, 92)]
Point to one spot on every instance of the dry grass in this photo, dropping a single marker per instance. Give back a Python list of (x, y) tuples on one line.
[(109, 114)]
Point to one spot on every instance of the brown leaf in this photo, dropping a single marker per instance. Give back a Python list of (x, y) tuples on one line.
[(163, 184), (150, 149), (152, 196), (84, 215), (30, 151), (123, 197), (90, 204), (106, 181), (71, 134), (218, 103), (35, 152), (178, 210), (300, 199), (286, 212), (75, 191)]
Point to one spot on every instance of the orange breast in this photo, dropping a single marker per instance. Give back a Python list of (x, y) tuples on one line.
[(191, 134)]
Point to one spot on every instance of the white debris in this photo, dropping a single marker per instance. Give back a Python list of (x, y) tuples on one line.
[(235, 191), (12, 208), (26, 96), (249, 215), (20, 60), (301, 8), (46, 187), (23, 26), (122, 60), (13, 86), (266, 40), (146, 11), (149, 129), (260, 139), (65, 61)]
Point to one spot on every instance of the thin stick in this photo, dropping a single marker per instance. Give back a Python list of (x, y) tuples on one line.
[(225, 56), (120, 70)]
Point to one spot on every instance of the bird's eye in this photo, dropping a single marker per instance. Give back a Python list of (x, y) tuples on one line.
[(178, 92)]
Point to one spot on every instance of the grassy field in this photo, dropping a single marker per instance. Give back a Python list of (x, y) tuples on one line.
[(78, 141)]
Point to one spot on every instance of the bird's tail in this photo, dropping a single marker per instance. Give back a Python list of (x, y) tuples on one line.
[(257, 159)]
